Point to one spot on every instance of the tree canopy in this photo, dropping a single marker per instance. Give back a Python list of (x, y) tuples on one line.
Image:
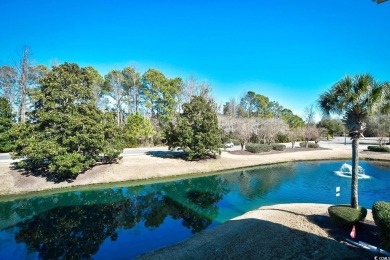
[(161, 94), (138, 129), (66, 133), (196, 130), (6, 123)]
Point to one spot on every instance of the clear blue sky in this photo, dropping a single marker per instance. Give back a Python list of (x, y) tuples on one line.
[(290, 51)]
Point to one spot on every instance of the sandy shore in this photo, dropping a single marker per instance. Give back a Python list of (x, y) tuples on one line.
[(290, 231), (161, 165)]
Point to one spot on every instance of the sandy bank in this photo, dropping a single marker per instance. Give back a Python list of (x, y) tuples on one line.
[(290, 231)]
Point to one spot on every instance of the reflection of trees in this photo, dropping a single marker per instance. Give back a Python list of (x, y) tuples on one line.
[(78, 231), (257, 183), (22, 209), (75, 232)]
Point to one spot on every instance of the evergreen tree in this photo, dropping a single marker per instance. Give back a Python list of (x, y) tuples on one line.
[(161, 95), (5, 125), (196, 130), (66, 133), (138, 129)]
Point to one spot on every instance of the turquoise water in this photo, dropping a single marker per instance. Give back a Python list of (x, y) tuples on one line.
[(124, 222)]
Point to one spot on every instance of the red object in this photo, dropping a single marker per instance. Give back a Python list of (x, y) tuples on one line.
[(353, 232)]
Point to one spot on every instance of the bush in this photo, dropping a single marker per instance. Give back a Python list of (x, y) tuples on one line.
[(235, 142), (311, 145), (282, 138), (6, 147), (379, 149), (258, 148), (345, 215), (278, 147), (381, 214)]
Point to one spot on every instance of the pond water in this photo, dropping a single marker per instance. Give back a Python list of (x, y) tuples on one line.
[(124, 222)]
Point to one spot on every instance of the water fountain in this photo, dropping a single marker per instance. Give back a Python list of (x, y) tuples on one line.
[(346, 171)]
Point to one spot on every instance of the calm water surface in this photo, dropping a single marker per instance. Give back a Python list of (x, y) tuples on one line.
[(124, 222)]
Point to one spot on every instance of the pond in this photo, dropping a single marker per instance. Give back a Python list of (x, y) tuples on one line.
[(127, 221)]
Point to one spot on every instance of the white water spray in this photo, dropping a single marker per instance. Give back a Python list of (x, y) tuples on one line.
[(346, 172)]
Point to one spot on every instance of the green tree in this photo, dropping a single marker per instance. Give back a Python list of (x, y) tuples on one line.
[(66, 133), (132, 81), (8, 79), (196, 130), (138, 129), (292, 120), (161, 95), (97, 84), (332, 125), (113, 85), (355, 98), (5, 125)]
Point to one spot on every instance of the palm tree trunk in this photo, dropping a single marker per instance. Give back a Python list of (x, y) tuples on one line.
[(355, 171)]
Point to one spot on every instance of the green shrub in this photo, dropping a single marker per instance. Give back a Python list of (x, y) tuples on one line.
[(379, 149), (258, 148), (345, 215), (278, 147), (235, 142), (6, 147), (381, 214), (282, 138), (311, 145)]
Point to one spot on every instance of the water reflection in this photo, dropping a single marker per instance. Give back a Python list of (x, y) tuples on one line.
[(143, 218), (78, 231)]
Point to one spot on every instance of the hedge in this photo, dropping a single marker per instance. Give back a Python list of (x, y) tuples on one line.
[(379, 149), (311, 145), (278, 147), (381, 214), (258, 148), (345, 215)]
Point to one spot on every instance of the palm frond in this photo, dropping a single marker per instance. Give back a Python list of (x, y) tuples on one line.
[(356, 97)]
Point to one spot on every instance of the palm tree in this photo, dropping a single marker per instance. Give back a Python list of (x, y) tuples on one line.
[(356, 98)]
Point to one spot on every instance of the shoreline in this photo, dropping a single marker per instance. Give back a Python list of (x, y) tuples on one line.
[(296, 230), (160, 166)]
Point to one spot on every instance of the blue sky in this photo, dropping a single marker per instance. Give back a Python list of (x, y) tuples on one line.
[(290, 51)]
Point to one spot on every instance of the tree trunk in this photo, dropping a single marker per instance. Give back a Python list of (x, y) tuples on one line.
[(355, 171), (23, 85), (129, 104), (118, 113), (136, 98)]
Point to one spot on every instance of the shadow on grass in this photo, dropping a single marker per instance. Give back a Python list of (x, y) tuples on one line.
[(50, 177), (168, 154), (258, 239)]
